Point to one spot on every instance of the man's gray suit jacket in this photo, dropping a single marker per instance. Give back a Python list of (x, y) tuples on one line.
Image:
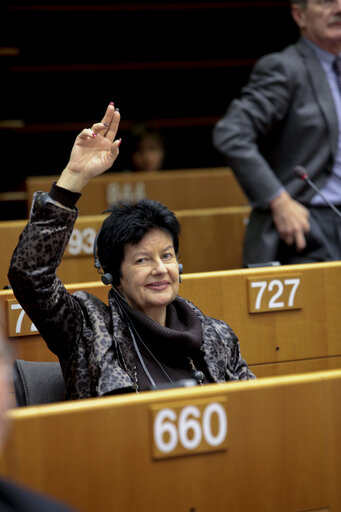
[(285, 117)]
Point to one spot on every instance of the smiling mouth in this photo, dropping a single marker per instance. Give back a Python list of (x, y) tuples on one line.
[(158, 286)]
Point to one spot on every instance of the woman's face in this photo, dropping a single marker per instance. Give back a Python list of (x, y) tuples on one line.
[(150, 274), (149, 155)]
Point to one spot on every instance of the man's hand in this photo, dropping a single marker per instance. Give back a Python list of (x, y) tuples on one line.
[(291, 220)]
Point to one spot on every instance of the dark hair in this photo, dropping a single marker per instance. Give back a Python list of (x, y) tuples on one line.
[(301, 3), (140, 133), (142, 130), (127, 223)]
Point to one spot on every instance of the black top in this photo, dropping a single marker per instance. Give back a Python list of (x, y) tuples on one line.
[(172, 352)]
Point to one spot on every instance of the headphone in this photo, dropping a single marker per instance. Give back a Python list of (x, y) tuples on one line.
[(107, 278)]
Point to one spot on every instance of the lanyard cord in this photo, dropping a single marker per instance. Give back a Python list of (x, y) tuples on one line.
[(139, 355), (132, 328)]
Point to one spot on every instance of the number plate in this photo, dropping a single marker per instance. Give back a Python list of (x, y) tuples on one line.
[(81, 242), (189, 428), (125, 191), (275, 294), (19, 323)]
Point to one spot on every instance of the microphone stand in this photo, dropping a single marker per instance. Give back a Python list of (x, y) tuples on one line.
[(318, 191), (301, 173)]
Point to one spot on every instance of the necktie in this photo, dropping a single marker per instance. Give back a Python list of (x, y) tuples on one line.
[(337, 69)]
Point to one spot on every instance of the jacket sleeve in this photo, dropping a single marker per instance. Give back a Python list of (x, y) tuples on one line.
[(32, 274), (264, 102), (239, 364), (222, 352)]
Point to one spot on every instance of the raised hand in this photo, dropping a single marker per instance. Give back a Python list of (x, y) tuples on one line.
[(94, 151)]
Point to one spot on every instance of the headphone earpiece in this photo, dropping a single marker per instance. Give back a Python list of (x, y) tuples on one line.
[(107, 278), (181, 269)]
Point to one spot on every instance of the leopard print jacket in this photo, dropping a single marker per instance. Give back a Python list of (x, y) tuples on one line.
[(89, 337)]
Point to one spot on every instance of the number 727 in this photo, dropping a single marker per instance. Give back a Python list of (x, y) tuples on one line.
[(279, 290)]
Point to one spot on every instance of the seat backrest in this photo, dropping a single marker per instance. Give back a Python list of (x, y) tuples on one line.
[(37, 382)]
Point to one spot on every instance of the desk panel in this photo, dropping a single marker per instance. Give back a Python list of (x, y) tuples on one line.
[(283, 450)]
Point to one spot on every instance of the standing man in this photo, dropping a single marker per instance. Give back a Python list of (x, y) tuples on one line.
[(289, 114)]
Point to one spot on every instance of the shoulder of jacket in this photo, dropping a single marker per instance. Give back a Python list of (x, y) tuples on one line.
[(220, 325), (191, 305), (213, 322), (289, 60), (90, 301)]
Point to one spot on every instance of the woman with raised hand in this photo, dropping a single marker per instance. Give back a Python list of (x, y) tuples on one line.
[(147, 336)]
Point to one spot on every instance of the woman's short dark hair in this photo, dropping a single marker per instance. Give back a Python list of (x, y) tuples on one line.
[(127, 223), (301, 3)]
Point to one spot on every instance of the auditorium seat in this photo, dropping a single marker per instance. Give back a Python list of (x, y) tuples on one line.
[(37, 382)]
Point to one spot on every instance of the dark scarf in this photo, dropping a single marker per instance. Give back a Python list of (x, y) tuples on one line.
[(166, 349)]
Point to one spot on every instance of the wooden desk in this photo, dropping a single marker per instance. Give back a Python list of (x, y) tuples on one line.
[(77, 263), (212, 239), (25, 341), (280, 450), (277, 340), (179, 190), (273, 342)]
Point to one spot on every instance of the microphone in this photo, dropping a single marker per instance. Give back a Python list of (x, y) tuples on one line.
[(198, 376), (302, 174)]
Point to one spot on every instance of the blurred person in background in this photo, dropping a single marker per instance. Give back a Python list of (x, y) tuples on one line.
[(146, 148)]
